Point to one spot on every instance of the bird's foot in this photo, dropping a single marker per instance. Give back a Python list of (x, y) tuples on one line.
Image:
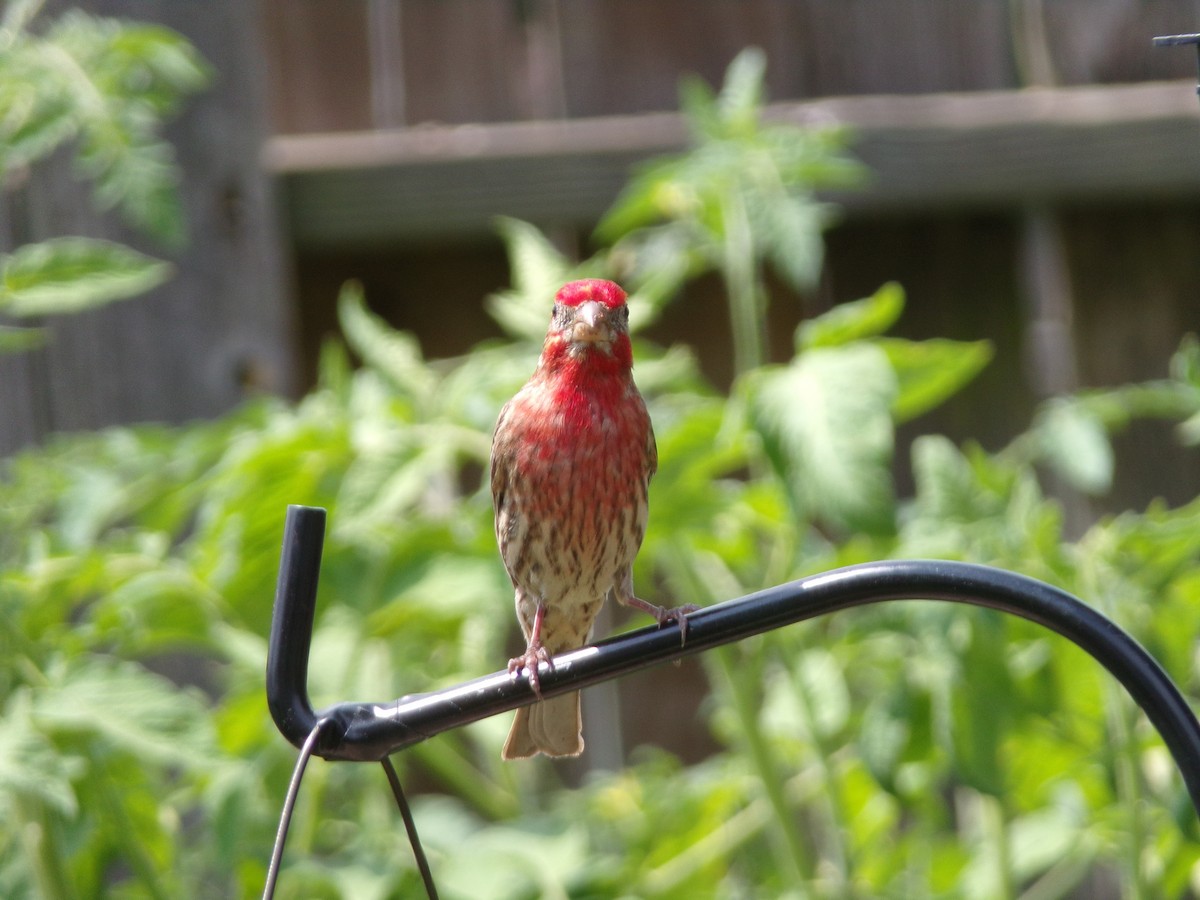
[(663, 614), (534, 655)]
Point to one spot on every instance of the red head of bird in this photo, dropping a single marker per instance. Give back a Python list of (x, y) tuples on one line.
[(589, 331)]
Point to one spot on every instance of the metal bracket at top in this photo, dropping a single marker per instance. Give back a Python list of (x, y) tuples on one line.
[(1171, 40)]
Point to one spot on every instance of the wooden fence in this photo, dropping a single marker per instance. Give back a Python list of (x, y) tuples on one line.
[(1062, 223)]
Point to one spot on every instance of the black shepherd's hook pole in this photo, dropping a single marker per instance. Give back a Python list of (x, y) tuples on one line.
[(371, 731)]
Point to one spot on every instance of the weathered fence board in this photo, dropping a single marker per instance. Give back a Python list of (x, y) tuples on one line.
[(498, 60), (941, 151)]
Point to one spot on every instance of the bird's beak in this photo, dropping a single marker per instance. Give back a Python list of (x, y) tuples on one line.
[(590, 325)]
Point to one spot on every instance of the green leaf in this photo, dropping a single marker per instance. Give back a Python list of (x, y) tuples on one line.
[(1189, 430), (67, 275), (947, 489), (39, 111), (740, 100), (126, 707), (896, 728), (1075, 443), (1051, 839), (137, 175), (794, 240), (447, 589), (653, 267), (538, 271), (699, 107), (162, 62), (30, 765), (513, 861), (159, 610), (383, 486), (821, 677), (1185, 363), (813, 157), (538, 267), (395, 354), (825, 421), (646, 198), (121, 80), (853, 321), (334, 369), (930, 372)]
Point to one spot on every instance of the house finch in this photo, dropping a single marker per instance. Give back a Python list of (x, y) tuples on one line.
[(572, 458)]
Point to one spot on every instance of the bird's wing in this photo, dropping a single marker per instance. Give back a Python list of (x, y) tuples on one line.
[(502, 450), (651, 446), (507, 520)]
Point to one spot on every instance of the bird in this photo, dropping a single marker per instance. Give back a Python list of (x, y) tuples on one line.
[(572, 456)]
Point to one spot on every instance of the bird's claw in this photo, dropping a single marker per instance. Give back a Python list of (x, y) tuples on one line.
[(676, 614), (529, 661), (663, 615)]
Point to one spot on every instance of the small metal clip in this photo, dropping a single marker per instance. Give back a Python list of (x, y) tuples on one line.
[(1170, 40)]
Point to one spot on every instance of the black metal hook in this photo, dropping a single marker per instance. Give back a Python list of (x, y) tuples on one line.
[(370, 731)]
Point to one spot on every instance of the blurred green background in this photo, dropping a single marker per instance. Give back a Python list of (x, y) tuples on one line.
[(911, 750)]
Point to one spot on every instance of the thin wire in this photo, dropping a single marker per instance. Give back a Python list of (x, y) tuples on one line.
[(410, 826), (289, 805)]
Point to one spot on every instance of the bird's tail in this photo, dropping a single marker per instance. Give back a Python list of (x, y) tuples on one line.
[(553, 727)]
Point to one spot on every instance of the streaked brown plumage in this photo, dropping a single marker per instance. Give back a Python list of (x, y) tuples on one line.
[(572, 457)]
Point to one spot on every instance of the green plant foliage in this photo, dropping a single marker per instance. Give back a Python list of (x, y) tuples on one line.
[(866, 318), (107, 84), (826, 425), (903, 750), (930, 372), (72, 274), (539, 270), (104, 87), (741, 197)]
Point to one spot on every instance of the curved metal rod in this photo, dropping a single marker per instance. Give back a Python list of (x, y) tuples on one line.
[(371, 731)]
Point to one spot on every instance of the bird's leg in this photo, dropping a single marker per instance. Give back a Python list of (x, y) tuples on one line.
[(623, 591), (534, 654)]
